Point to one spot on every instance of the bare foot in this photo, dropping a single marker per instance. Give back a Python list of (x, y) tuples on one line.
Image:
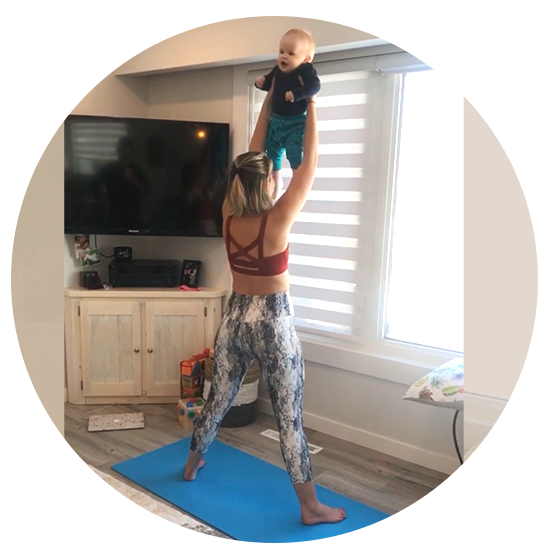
[(190, 474), (322, 514)]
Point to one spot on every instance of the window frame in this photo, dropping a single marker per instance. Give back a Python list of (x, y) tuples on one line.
[(387, 182)]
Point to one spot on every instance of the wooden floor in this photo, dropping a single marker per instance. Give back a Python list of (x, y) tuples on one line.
[(380, 481)]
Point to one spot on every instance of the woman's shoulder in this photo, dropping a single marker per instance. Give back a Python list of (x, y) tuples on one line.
[(278, 217)]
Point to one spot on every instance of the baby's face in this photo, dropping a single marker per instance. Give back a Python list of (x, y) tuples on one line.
[(292, 52)]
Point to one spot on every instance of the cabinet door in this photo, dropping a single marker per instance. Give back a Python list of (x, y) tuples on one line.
[(174, 332), (111, 348)]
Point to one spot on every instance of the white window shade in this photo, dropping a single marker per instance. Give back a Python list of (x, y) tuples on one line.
[(327, 239)]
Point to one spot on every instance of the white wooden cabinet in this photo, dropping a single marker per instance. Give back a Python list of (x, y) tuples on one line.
[(174, 332), (111, 340), (126, 345)]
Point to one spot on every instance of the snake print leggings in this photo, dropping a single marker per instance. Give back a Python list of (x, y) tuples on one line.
[(261, 328)]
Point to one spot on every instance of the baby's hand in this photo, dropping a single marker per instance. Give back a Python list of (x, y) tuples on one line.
[(259, 82), (289, 96)]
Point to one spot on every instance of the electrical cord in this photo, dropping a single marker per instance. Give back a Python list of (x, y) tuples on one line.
[(455, 436), (95, 243)]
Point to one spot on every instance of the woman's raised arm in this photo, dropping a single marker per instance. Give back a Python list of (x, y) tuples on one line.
[(258, 139)]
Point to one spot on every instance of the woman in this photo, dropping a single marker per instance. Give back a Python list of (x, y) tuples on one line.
[(258, 323)]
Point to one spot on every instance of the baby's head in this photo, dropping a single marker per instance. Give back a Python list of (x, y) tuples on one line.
[(296, 47)]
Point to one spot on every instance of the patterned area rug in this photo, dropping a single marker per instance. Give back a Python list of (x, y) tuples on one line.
[(102, 509)]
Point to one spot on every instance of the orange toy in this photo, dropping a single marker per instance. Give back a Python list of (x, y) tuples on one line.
[(192, 375)]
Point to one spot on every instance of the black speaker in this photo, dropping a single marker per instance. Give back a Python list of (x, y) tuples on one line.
[(90, 280)]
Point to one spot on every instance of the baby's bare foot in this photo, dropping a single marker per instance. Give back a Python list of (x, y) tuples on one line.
[(190, 474), (322, 515)]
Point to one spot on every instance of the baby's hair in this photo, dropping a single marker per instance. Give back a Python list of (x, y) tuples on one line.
[(304, 35)]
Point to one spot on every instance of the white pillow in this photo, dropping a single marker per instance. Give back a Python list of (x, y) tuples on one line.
[(510, 452), (444, 386)]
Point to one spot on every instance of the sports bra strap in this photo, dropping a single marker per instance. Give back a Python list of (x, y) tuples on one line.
[(260, 237), (257, 266)]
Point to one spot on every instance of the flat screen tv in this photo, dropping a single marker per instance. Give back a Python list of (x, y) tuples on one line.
[(125, 176)]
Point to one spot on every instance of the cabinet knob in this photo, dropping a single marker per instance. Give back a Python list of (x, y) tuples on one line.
[(137, 350), (150, 350)]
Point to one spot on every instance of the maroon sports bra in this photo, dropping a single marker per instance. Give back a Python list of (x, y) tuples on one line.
[(255, 266)]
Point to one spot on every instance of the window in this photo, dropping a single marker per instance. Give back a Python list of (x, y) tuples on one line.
[(425, 289), (376, 253)]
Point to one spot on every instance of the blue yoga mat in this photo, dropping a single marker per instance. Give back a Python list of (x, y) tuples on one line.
[(241, 495)]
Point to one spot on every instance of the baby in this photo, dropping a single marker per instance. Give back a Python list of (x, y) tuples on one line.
[(295, 80)]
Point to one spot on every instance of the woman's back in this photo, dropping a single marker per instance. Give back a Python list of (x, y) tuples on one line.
[(242, 233)]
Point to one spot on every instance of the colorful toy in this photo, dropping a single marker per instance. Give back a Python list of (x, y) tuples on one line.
[(192, 375), (189, 409), (421, 538)]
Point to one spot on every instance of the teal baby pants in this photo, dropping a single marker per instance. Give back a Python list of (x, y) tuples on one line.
[(285, 134)]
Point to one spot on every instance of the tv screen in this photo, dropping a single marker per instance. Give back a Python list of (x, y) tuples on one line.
[(125, 176)]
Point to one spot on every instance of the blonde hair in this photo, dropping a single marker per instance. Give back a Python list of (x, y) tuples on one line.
[(247, 192), (304, 36)]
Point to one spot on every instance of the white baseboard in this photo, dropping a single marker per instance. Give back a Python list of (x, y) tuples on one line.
[(482, 416), (65, 395), (429, 459)]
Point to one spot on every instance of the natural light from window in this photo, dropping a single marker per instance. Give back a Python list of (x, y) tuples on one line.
[(425, 293)]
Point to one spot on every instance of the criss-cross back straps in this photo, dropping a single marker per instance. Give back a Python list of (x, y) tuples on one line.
[(245, 251)]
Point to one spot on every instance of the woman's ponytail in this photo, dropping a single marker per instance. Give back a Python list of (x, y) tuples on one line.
[(247, 192)]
